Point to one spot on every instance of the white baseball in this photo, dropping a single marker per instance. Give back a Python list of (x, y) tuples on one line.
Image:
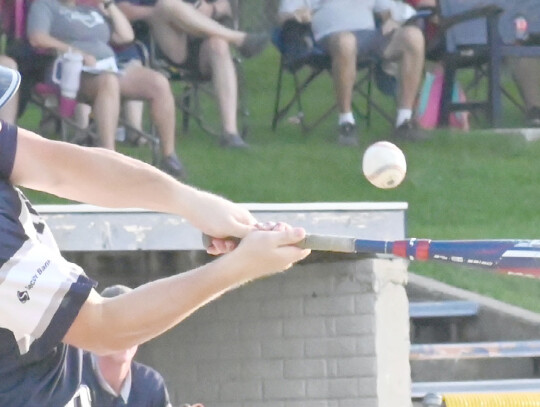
[(384, 165)]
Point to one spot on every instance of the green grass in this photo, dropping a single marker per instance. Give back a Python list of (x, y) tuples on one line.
[(459, 185)]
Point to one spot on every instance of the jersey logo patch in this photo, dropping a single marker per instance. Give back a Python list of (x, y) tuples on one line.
[(23, 296)]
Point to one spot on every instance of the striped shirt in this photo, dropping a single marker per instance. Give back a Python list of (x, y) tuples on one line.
[(41, 293)]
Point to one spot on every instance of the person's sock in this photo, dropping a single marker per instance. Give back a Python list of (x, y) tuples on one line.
[(346, 118), (403, 115)]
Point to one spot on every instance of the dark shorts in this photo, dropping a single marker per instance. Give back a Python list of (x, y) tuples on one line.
[(371, 44), (191, 63), (127, 54)]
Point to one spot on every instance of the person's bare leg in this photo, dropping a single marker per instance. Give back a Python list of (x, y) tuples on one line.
[(133, 110), (175, 18), (527, 76), (81, 115), (343, 52), (10, 109), (184, 17), (139, 82), (104, 93), (407, 47), (133, 113), (216, 61), (172, 42)]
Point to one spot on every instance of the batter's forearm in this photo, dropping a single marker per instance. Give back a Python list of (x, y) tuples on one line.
[(99, 177), (108, 325)]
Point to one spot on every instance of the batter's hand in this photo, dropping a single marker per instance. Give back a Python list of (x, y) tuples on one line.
[(220, 218), (265, 252), (218, 246)]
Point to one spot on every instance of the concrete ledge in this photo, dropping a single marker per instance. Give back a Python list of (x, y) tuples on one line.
[(90, 228)]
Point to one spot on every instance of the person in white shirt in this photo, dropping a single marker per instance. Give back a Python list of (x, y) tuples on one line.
[(346, 30)]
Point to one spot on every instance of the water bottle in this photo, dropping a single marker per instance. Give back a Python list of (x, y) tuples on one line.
[(521, 29)]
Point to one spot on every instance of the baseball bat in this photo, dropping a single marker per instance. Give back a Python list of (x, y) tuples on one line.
[(517, 257)]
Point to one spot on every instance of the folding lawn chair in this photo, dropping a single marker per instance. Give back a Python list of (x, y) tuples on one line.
[(479, 34), (197, 94), (304, 61), (32, 65)]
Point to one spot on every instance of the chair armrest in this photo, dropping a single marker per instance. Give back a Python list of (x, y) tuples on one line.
[(485, 11)]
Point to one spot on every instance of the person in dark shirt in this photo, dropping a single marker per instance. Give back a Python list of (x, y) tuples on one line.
[(117, 380)]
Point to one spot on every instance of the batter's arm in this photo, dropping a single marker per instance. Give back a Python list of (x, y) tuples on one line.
[(105, 178), (112, 324)]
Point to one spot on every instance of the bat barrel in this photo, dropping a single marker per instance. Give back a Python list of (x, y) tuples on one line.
[(373, 246), (507, 256)]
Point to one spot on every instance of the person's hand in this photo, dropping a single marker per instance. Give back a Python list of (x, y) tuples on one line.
[(389, 25), (217, 246), (265, 252), (220, 218), (302, 15), (89, 60)]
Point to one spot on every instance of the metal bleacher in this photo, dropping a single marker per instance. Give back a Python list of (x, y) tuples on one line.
[(450, 313), (456, 313)]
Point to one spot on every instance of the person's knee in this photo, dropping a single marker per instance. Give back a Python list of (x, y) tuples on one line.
[(412, 40), (162, 85), (218, 47), (168, 6), (343, 44), (156, 87), (8, 62), (108, 82)]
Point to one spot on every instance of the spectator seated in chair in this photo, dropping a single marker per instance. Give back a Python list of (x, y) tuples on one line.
[(64, 25), (525, 71), (189, 35), (346, 30)]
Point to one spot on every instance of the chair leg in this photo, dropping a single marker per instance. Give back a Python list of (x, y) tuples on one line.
[(494, 87), (186, 106), (242, 109), (277, 100), (446, 99), (369, 96), (297, 92), (494, 103)]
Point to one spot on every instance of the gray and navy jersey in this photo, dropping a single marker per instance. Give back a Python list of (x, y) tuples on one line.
[(41, 293)]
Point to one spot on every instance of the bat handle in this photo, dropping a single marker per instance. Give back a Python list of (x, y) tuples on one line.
[(313, 242), (207, 240)]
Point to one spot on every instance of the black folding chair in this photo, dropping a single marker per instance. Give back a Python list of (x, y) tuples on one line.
[(305, 62), (480, 34)]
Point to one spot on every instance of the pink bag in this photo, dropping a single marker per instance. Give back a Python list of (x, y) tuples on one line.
[(429, 102)]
